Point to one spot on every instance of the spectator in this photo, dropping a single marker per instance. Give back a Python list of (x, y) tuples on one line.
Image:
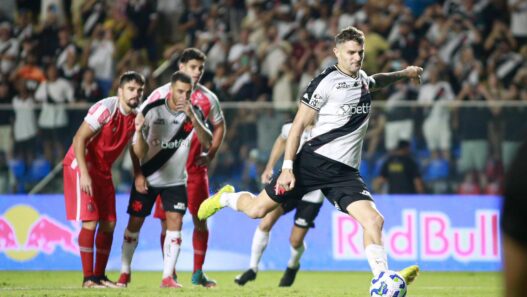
[(8, 49), (192, 20), (400, 172), (88, 90), (399, 118), (515, 125), (518, 9), (29, 71), (472, 126), (143, 15), (25, 126), (436, 127), (98, 55), (54, 93), (6, 119)]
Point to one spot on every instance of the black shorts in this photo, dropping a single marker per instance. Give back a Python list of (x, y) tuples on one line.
[(174, 200), (341, 184), (306, 212)]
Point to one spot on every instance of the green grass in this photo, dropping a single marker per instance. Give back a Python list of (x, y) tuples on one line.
[(349, 284)]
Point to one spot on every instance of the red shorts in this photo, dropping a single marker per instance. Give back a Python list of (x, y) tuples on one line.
[(197, 192), (83, 207)]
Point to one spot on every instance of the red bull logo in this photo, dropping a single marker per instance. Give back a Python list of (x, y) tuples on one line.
[(24, 233)]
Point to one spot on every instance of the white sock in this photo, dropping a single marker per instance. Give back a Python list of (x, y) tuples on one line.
[(127, 250), (231, 199), (172, 248), (377, 258), (260, 241), (296, 254)]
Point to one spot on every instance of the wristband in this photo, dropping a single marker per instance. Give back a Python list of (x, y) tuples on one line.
[(288, 164)]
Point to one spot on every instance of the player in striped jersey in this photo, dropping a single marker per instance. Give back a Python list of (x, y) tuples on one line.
[(164, 130), (192, 62), (88, 188), (338, 100)]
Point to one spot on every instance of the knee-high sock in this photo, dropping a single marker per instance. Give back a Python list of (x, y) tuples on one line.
[(103, 243), (127, 250), (260, 241), (162, 241), (172, 248), (199, 242), (296, 254), (86, 240), (377, 258)]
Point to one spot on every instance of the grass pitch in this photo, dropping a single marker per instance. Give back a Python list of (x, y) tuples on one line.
[(308, 283)]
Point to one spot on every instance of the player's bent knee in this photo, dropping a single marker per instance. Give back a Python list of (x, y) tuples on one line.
[(374, 222), (256, 212)]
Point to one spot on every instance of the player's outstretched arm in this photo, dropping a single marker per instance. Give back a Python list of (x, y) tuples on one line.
[(83, 134), (304, 117), (276, 152), (381, 80)]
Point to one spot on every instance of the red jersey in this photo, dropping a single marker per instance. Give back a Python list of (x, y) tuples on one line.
[(114, 131), (209, 105)]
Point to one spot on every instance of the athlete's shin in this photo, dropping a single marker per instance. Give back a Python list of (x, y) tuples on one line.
[(130, 242)]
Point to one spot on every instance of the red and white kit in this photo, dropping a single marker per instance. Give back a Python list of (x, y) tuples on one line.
[(114, 131)]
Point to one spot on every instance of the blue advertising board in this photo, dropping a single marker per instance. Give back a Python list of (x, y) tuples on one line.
[(438, 232)]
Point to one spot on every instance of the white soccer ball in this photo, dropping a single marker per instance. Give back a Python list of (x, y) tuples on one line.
[(388, 284)]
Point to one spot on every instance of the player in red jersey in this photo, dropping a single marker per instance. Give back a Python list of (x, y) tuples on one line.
[(89, 193), (191, 62)]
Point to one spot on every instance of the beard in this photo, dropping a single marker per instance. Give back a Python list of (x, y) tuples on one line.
[(132, 102)]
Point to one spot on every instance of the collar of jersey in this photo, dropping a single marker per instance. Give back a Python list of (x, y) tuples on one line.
[(338, 69)]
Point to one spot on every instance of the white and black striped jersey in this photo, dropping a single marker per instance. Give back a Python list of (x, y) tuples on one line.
[(343, 104), (168, 135)]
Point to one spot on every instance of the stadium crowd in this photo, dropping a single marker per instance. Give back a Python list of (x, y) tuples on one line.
[(59, 56)]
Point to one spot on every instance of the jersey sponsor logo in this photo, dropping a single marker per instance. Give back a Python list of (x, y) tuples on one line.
[(350, 109), (316, 101), (175, 144), (180, 206), (344, 85), (301, 222), (159, 122)]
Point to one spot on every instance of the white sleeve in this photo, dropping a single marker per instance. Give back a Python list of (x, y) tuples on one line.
[(40, 94), (215, 114), (98, 115), (285, 130), (315, 95)]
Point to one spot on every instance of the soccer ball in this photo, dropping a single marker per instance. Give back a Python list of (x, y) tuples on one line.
[(388, 284)]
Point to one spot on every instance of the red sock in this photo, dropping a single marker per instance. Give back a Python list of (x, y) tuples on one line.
[(103, 243), (199, 242), (86, 238)]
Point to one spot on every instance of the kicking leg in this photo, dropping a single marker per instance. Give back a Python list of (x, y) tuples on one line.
[(253, 207)]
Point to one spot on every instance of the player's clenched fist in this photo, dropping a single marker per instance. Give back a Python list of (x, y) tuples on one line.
[(285, 182)]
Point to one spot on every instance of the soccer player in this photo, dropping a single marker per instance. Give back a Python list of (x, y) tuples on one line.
[(513, 226), (307, 210), (192, 62), (164, 130), (338, 101), (88, 189)]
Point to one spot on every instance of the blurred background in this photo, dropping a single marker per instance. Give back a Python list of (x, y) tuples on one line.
[(458, 130)]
